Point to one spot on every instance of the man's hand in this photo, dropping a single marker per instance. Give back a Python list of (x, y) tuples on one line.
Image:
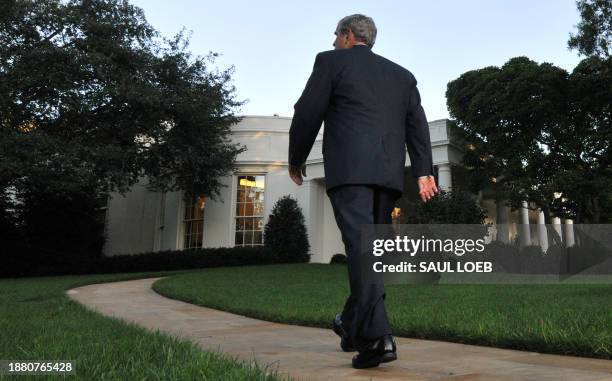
[(427, 187), (296, 173)]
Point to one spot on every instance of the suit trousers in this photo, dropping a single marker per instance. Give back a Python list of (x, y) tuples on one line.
[(364, 316)]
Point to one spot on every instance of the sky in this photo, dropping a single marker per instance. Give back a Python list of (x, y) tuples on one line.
[(272, 44)]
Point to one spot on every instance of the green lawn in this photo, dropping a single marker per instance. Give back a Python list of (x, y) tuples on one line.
[(552, 318), (39, 322)]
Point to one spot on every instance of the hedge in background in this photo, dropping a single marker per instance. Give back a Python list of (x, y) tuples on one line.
[(558, 259), (338, 258), (158, 261), (448, 207)]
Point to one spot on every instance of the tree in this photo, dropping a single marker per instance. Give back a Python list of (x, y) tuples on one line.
[(90, 94), (594, 35), (536, 132), (509, 115), (285, 232), (448, 207), (582, 150), (92, 98)]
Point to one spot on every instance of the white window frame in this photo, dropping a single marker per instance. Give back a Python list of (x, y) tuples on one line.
[(235, 201), (181, 230)]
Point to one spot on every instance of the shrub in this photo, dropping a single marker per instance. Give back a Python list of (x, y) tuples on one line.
[(43, 229), (505, 257), (338, 259), (285, 233), (158, 261), (447, 207), (532, 261)]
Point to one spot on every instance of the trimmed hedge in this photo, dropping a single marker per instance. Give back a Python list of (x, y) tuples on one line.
[(338, 258), (158, 261), (558, 259), (448, 207)]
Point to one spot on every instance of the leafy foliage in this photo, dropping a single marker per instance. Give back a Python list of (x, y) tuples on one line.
[(92, 98), (285, 233), (90, 95), (448, 207), (534, 130), (594, 35), (582, 152), (25, 266), (338, 258)]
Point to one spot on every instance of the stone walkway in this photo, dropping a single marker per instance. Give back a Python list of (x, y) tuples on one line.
[(314, 353)]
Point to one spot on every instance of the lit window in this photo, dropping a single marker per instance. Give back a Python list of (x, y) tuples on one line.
[(194, 222), (249, 210), (395, 215)]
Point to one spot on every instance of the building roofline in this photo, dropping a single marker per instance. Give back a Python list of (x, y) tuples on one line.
[(289, 117), (265, 117)]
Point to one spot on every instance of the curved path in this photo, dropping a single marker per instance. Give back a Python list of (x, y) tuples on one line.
[(314, 353)]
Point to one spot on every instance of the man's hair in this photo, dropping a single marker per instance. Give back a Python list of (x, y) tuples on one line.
[(363, 28)]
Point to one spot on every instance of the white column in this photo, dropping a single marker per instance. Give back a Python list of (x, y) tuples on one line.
[(311, 201), (542, 233), (569, 232), (503, 229), (524, 233), (444, 177), (557, 226)]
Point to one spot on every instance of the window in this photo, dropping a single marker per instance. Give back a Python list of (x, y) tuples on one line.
[(396, 215), (249, 210), (193, 222)]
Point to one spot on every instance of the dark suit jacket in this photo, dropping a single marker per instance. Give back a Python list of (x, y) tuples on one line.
[(372, 111)]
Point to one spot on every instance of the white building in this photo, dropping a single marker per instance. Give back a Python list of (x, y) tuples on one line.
[(146, 221)]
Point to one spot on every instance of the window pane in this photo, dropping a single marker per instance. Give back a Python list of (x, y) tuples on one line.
[(188, 241), (257, 237), (240, 209), (258, 209), (239, 224), (197, 241), (260, 181), (187, 211), (198, 208), (248, 237), (193, 222), (239, 236), (249, 196), (249, 204)]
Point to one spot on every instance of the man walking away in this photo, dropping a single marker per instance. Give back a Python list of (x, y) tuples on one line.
[(372, 113)]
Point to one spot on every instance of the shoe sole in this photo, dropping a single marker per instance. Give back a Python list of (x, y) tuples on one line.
[(387, 357)]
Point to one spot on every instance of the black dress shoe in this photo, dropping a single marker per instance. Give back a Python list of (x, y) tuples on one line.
[(345, 341), (378, 351)]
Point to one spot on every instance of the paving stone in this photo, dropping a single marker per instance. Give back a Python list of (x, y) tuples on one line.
[(307, 353)]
